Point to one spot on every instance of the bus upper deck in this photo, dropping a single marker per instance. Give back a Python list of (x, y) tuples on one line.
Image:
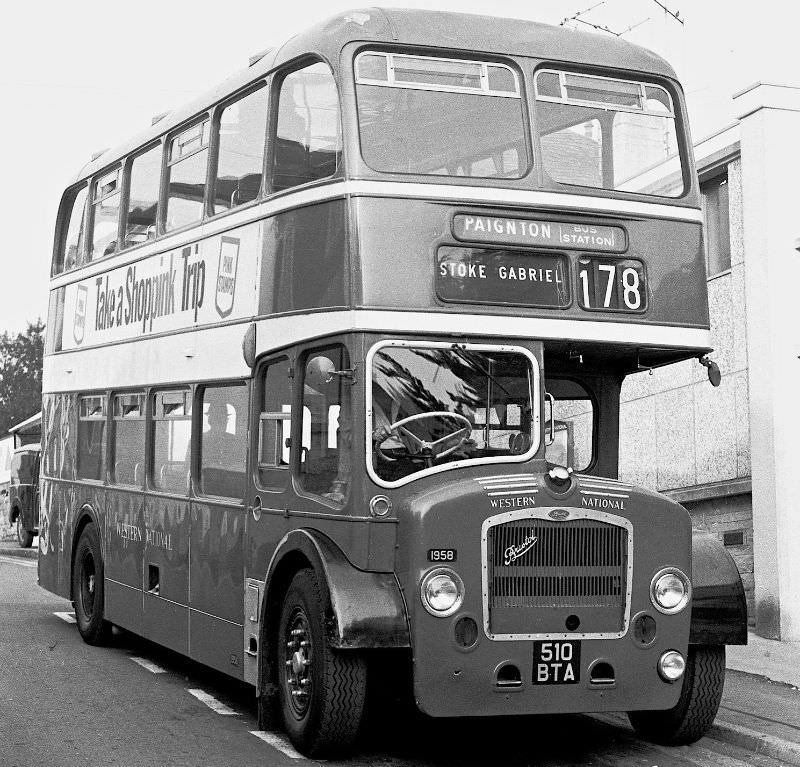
[(406, 179)]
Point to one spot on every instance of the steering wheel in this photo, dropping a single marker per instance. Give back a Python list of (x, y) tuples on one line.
[(426, 449)]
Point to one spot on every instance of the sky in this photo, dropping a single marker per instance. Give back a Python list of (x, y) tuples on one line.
[(82, 76)]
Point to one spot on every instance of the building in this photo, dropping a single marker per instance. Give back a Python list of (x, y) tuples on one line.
[(730, 454)]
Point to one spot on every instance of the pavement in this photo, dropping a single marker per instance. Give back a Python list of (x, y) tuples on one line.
[(766, 724)]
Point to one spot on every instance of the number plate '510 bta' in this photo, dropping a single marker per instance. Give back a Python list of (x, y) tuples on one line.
[(556, 662)]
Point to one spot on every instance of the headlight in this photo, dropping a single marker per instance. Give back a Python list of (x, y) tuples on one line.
[(671, 666), (670, 591), (442, 592)]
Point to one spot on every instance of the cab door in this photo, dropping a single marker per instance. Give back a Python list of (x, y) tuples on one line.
[(266, 520)]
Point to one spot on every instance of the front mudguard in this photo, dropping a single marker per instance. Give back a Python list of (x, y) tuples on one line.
[(363, 610), (719, 606)]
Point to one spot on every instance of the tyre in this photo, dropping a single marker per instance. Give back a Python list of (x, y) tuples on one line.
[(24, 537), (88, 590), (693, 715), (321, 695)]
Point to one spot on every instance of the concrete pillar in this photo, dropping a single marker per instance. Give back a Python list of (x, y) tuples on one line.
[(769, 118)]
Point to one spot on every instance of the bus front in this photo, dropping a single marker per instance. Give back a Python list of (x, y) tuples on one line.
[(529, 233)]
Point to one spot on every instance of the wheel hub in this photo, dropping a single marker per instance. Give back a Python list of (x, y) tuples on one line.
[(298, 663)]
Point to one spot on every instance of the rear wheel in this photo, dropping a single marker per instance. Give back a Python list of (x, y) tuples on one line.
[(87, 588), (697, 706), (24, 537), (321, 690)]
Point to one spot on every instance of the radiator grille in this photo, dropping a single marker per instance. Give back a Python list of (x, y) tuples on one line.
[(538, 568)]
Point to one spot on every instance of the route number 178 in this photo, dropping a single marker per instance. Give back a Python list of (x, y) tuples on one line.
[(611, 285)]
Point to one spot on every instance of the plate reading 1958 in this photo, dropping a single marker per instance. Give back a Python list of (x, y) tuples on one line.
[(442, 555), (553, 234)]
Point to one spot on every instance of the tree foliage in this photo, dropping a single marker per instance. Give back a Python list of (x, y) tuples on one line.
[(21, 358)]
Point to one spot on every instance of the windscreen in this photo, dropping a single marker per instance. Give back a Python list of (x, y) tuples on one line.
[(447, 117), (435, 404), (607, 133)]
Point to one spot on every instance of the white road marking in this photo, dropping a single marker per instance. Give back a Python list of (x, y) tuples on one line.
[(66, 617), (18, 561), (153, 668), (279, 742), (212, 703)]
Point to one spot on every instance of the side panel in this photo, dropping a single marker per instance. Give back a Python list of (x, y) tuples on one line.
[(166, 572), (305, 263), (217, 585), (125, 541), (59, 423)]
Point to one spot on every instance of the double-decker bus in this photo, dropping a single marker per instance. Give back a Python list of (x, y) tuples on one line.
[(333, 371)]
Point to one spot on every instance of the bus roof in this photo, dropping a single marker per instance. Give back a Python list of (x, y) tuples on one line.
[(426, 29)]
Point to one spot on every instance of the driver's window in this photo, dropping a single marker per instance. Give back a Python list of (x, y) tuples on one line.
[(569, 425), (327, 426)]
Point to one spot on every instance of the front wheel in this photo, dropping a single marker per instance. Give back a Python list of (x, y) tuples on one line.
[(24, 537), (701, 693), (88, 590), (321, 690)]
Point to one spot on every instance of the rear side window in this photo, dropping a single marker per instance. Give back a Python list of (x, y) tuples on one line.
[(172, 436), (242, 135), (308, 140), (105, 215), (145, 176), (188, 160), (70, 248), (92, 437)]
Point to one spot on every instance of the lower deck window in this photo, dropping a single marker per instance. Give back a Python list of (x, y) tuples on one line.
[(223, 446), (172, 436), (128, 439), (91, 454)]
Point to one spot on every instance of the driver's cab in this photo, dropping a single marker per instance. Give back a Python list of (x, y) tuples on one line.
[(435, 406)]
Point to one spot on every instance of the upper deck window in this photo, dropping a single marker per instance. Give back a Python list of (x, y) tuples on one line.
[(145, 177), (607, 133), (105, 215), (308, 135), (72, 225), (188, 158), (242, 135), (446, 117)]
